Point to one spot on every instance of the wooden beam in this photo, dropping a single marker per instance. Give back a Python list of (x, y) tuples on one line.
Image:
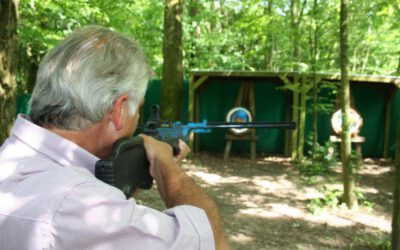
[(395, 80), (200, 81)]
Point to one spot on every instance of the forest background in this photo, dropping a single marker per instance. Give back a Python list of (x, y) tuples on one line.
[(226, 34), (179, 36)]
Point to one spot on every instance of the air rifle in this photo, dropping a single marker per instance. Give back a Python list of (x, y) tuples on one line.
[(128, 167)]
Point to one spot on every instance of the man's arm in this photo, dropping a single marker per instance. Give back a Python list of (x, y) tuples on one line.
[(177, 188)]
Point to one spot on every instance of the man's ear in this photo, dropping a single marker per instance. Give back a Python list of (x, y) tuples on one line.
[(118, 111)]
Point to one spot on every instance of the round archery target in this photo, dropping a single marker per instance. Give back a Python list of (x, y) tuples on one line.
[(239, 114), (355, 121)]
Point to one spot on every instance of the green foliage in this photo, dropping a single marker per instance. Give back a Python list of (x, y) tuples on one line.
[(330, 199), (379, 242), (220, 35), (43, 23), (325, 157), (249, 34), (326, 96), (309, 180), (141, 20), (362, 198), (356, 160)]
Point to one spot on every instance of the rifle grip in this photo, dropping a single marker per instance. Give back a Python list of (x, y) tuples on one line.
[(175, 146), (127, 168), (175, 150)]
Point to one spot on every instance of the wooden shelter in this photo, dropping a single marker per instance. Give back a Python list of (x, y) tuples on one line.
[(363, 87)]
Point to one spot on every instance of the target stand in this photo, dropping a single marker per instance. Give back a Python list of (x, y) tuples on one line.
[(240, 113)]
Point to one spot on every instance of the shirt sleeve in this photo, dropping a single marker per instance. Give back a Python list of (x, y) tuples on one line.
[(97, 216)]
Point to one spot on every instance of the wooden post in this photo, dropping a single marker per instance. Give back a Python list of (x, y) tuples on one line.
[(197, 119), (191, 97), (293, 86), (253, 143), (194, 106), (288, 109), (388, 121), (191, 107), (396, 195)]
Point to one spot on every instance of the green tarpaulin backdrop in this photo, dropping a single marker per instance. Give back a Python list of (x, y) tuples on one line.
[(217, 98)]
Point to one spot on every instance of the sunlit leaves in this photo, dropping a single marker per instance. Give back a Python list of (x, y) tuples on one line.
[(227, 34), (220, 33)]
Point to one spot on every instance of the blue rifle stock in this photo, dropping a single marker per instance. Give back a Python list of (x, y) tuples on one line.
[(128, 167)]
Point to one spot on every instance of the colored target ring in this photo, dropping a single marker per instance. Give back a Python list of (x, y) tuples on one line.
[(239, 114)]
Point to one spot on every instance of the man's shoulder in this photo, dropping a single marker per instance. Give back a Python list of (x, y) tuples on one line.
[(41, 170), (40, 184), (20, 165), (35, 190)]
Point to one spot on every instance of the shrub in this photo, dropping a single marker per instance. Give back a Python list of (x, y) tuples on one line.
[(325, 157)]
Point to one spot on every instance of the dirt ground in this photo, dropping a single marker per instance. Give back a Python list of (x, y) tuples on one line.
[(263, 204)]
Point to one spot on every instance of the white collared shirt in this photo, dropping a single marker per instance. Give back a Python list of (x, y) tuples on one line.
[(50, 199)]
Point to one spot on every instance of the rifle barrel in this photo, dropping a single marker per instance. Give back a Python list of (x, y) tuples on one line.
[(287, 125)]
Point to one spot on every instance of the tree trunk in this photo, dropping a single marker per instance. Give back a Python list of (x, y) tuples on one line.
[(365, 61), (269, 55), (295, 54), (172, 75), (8, 57), (349, 196), (302, 118), (314, 52), (33, 68), (396, 196), (296, 16), (355, 60), (295, 118), (194, 32), (315, 81)]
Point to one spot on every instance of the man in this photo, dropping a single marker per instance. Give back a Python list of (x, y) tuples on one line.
[(87, 95)]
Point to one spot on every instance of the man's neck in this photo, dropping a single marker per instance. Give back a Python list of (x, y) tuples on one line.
[(92, 139)]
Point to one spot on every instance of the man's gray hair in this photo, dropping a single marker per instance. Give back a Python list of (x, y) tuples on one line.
[(79, 80)]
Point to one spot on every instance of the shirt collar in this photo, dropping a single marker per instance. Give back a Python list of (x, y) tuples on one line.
[(59, 149)]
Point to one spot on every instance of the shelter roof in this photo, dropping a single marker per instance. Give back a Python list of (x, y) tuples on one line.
[(395, 80)]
